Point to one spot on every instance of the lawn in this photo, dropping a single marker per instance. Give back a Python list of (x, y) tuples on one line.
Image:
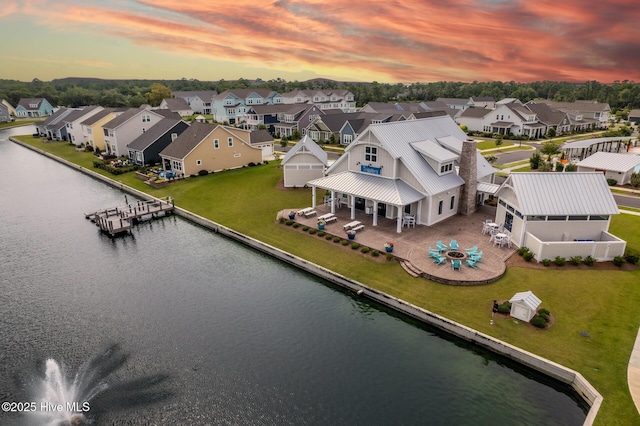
[(491, 145), (602, 303)]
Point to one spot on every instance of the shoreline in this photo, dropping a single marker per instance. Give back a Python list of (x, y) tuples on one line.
[(556, 371)]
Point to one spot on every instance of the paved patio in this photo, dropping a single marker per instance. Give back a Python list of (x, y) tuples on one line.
[(411, 246)]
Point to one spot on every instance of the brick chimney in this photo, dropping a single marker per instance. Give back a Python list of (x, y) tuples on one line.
[(468, 172)]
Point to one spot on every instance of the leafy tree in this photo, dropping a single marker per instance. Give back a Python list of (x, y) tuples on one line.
[(550, 149), (157, 94), (551, 133), (535, 160), (635, 179), (570, 167)]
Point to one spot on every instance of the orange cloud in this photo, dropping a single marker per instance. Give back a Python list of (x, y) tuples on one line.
[(392, 41)]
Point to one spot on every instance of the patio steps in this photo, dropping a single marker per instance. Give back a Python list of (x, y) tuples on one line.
[(410, 269)]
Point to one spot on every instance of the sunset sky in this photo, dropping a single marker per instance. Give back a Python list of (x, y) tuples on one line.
[(355, 40)]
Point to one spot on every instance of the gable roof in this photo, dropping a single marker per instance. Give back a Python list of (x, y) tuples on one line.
[(260, 136), (153, 133), (188, 140), (79, 113), (27, 102), (611, 161), (203, 95), (475, 112), (527, 298), (306, 144), (97, 117), (123, 118), (559, 194), (176, 104)]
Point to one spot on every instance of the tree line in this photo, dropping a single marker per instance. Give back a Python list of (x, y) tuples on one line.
[(73, 92)]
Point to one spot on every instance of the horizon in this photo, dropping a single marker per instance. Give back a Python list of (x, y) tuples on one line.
[(364, 41)]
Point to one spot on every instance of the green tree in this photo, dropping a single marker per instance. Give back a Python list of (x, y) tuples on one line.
[(550, 149), (635, 180), (157, 93), (551, 133), (535, 160)]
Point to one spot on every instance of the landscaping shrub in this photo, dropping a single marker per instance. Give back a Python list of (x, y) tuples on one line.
[(504, 307), (389, 257), (365, 250), (546, 262), (575, 260), (203, 173), (322, 234), (305, 228), (355, 246), (374, 253), (296, 225), (570, 167), (538, 322), (612, 182), (543, 312), (527, 256), (337, 239), (312, 231), (619, 260), (282, 219), (329, 237), (344, 242), (631, 255), (589, 261), (560, 261), (523, 250), (289, 222)]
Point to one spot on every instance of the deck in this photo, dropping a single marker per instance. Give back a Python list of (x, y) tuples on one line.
[(121, 219), (411, 246)]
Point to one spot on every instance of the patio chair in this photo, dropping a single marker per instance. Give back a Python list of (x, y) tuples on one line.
[(476, 257), (472, 250), (472, 264), (441, 246), (486, 228), (440, 260), (434, 254), (456, 265), (453, 245), (497, 240)]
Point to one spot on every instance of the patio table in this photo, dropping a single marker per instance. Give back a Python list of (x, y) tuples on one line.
[(351, 225)]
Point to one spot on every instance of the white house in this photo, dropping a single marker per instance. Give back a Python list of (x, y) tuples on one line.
[(305, 161), (618, 167), (559, 214), (524, 305), (409, 167), (177, 105), (124, 128)]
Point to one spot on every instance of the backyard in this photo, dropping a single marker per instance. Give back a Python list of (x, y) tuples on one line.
[(601, 304)]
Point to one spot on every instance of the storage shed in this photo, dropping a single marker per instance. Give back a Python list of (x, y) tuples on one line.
[(524, 305), (305, 161)]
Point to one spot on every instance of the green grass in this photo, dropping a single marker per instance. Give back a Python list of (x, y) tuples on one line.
[(491, 144), (631, 209), (601, 303)]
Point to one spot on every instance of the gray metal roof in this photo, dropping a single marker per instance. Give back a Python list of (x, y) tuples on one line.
[(611, 161), (557, 194), (488, 188), (306, 144), (432, 150), (528, 298), (372, 187), (586, 143)]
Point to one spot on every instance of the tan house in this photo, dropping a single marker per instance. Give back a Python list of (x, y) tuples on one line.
[(92, 128), (209, 147)]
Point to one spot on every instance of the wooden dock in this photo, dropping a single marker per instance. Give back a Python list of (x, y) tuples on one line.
[(117, 220)]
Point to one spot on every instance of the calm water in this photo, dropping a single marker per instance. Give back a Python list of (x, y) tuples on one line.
[(186, 327)]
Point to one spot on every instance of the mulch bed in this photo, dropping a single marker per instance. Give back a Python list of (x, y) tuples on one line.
[(518, 261)]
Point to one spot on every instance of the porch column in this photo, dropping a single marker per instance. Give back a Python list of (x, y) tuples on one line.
[(399, 222), (333, 202), (419, 212), (353, 206), (375, 213), (313, 197)]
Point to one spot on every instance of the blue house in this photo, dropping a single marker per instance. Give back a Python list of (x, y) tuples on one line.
[(231, 106), (34, 107)]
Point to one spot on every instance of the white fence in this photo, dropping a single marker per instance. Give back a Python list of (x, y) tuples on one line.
[(605, 249)]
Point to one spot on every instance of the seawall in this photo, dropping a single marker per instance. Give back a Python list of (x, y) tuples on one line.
[(552, 369)]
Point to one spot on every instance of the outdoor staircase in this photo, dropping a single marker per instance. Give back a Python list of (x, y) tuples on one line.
[(410, 269)]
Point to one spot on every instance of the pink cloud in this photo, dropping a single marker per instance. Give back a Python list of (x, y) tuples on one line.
[(394, 41)]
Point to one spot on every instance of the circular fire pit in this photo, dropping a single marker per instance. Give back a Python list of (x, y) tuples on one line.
[(456, 255)]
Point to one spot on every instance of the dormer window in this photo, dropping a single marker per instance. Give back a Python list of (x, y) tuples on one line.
[(446, 168), (371, 154)]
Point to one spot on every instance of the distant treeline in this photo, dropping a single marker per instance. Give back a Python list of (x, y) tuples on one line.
[(72, 92)]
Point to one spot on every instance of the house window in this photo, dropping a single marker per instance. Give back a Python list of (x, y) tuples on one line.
[(106, 132), (557, 218), (578, 217), (230, 142), (453, 202), (231, 111), (146, 118), (173, 136), (198, 162), (598, 217), (371, 154), (536, 218), (177, 165), (216, 143), (347, 139), (440, 204)]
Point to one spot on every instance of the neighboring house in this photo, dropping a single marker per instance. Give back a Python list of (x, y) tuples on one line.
[(509, 117), (483, 102), (634, 116), (177, 105), (199, 101), (5, 117), (145, 149), (73, 122), (554, 119), (53, 127), (92, 127), (409, 167), (127, 126), (211, 148), (457, 103), (33, 107), (10, 108), (579, 150), (305, 161), (345, 127), (265, 115), (231, 106), (559, 214), (296, 117), (618, 167), (586, 114), (342, 100), (263, 140)]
